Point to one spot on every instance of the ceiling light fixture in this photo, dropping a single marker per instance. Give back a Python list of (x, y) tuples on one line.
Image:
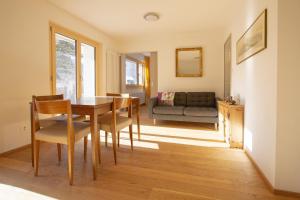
[(151, 17)]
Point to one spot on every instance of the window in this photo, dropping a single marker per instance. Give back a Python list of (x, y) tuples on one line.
[(141, 74), (73, 64), (65, 66), (134, 70), (131, 75), (88, 70)]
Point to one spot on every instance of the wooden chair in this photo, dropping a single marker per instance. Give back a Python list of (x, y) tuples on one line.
[(114, 123), (115, 95), (52, 120), (61, 133), (111, 95)]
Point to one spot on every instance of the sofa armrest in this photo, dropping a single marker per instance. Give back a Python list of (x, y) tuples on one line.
[(151, 105), (216, 102)]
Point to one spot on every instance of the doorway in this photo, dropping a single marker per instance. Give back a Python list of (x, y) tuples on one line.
[(139, 75)]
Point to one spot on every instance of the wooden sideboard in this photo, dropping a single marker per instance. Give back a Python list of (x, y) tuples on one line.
[(231, 123)]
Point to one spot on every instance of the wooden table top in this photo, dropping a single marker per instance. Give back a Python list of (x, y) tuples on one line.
[(94, 101), (97, 101)]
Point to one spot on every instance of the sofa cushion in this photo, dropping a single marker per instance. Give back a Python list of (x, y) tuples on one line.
[(201, 111), (180, 99), (201, 99), (168, 110), (165, 98)]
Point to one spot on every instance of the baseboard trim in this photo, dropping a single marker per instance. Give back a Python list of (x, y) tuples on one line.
[(286, 193), (262, 175), (267, 182), (15, 150)]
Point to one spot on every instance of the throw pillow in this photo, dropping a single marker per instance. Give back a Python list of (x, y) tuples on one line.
[(166, 98)]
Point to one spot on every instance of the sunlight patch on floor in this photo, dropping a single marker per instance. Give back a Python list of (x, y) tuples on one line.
[(136, 143), (192, 142), (152, 135), (126, 142), (12, 192), (180, 132), (148, 141)]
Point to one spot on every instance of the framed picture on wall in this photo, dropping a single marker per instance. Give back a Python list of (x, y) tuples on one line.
[(254, 40), (189, 62)]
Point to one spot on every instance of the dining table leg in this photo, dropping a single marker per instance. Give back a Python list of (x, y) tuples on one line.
[(94, 137), (32, 134), (138, 118)]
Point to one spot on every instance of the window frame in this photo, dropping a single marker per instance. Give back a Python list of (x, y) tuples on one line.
[(137, 85), (79, 39)]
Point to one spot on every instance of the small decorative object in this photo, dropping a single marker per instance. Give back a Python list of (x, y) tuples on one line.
[(189, 62), (254, 39), (166, 98), (230, 100), (237, 99)]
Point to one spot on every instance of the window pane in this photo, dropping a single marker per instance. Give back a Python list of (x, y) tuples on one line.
[(141, 74), (65, 66), (131, 72), (87, 70)]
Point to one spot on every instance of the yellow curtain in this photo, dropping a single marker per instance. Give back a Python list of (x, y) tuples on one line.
[(147, 78)]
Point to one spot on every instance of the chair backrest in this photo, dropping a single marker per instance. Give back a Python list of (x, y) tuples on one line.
[(122, 102), (53, 107), (48, 97)]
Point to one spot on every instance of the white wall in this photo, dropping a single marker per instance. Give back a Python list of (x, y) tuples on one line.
[(113, 72), (288, 133), (24, 61), (153, 74), (165, 45), (255, 81)]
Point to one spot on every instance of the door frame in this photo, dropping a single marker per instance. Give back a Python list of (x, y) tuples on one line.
[(54, 28), (228, 43)]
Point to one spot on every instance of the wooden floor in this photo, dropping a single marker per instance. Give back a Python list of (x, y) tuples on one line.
[(164, 165)]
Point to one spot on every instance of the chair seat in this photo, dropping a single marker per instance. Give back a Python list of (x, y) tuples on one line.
[(105, 122), (57, 133), (52, 120)]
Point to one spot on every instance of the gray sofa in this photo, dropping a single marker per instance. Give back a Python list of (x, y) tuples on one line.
[(189, 107)]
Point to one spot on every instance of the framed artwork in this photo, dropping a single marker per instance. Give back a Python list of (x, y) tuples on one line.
[(254, 40), (189, 62)]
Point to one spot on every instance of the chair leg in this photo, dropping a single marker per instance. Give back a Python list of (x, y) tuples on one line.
[(36, 156), (118, 138), (99, 147), (106, 138), (114, 146), (216, 126), (85, 147), (70, 162), (131, 138), (59, 152)]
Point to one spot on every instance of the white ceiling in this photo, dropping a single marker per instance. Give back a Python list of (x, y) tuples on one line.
[(124, 18)]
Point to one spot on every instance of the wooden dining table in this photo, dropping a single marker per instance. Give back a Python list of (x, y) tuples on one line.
[(93, 107)]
